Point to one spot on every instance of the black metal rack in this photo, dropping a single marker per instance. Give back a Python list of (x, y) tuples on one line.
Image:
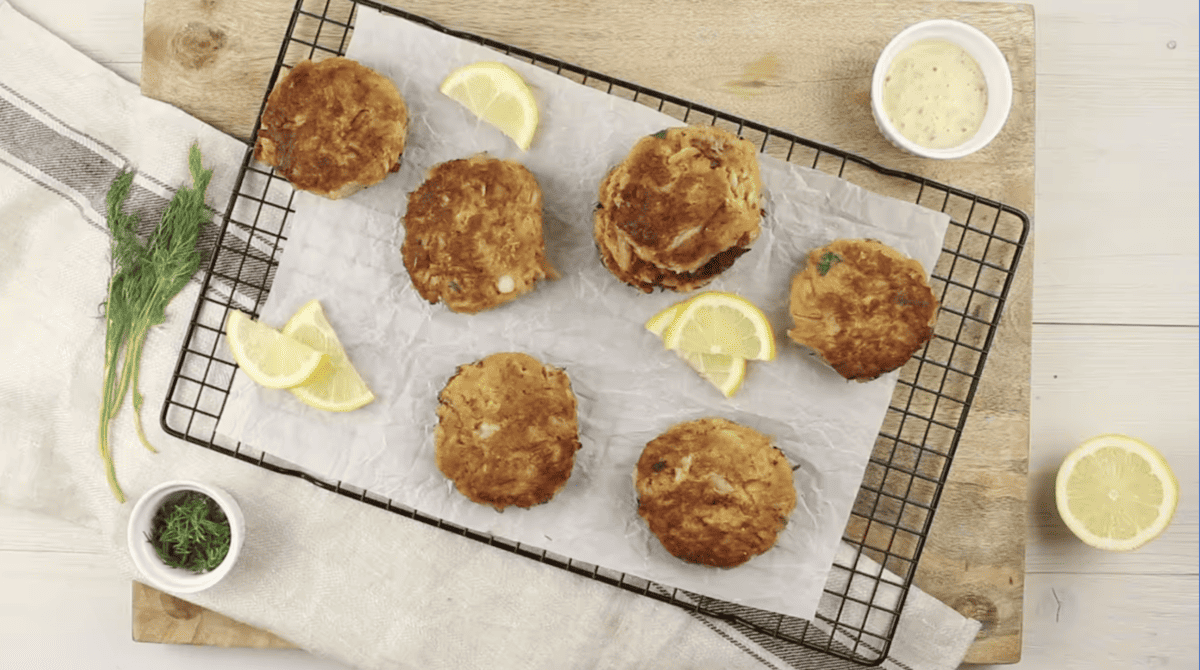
[(894, 508)]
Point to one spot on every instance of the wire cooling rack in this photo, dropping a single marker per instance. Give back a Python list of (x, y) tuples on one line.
[(892, 514)]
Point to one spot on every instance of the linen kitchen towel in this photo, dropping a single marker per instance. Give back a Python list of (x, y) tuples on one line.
[(339, 578)]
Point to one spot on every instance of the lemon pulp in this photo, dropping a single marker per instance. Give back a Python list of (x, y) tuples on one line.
[(724, 372), (721, 323), (1116, 493), (336, 387), (267, 356), (715, 333)]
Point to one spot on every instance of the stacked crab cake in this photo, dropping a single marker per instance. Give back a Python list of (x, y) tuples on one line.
[(680, 209), (473, 234), (507, 431), (333, 127), (714, 492), (862, 306)]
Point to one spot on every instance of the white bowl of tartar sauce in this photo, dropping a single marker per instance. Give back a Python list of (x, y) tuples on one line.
[(941, 89)]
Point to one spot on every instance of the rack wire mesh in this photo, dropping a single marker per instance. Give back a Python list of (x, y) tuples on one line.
[(894, 508)]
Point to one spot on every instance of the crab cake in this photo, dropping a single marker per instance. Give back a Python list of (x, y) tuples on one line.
[(714, 492), (473, 234), (507, 432), (619, 256), (862, 306), (333, 127), (679, 209)]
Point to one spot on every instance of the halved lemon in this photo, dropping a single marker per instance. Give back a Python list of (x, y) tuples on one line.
[(336, 387), (267, 356), (715, 322), (497, 94), (1116, 493)]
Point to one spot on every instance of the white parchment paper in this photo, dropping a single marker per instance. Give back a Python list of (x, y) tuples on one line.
[(629, 389)]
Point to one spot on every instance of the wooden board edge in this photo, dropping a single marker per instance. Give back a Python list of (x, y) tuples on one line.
[(166, 619)]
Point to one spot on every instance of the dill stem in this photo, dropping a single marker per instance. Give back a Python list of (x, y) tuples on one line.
[(108, 409), (139, 330), (106, 416), (129, 370), (110, 469), (137, 342), (114, 393)]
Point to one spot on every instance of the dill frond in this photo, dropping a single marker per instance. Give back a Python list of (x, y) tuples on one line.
[(145, 278)]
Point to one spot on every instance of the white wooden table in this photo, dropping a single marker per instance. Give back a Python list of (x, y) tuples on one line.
[(1114, 350)]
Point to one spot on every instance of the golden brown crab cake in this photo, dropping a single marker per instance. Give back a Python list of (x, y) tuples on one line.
[(507, 431), (714, 492), (620, 258), (680, 199), (473, 234), (333, 127), (862, 306)]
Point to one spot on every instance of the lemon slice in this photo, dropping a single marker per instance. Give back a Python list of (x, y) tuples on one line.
[(497, 94), (722, 371), (721, 323), (267, 356), (1116, 493), (336, 387)]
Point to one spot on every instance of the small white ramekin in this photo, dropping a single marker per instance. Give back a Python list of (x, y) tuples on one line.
[(179, 580), (995, 72)]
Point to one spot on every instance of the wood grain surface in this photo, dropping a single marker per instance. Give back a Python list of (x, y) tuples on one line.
[(802, 66), (163, 618)]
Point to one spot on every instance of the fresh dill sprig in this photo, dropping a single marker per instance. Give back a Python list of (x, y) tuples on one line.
[(145, 278), (190, 532)]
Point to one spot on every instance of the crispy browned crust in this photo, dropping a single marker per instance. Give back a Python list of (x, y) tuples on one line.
[(714, 492), (621, 258), (333, 127), (507, 432), (473, 234), (870, 311), (679, 200)]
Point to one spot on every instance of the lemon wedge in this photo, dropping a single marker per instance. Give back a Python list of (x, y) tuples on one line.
[(723, 371), (337, 387), (1116, 493), (497, 94), (715, 322), (267, 356), (659, 322)]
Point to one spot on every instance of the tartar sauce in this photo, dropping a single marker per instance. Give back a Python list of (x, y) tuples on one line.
[(934, 94)]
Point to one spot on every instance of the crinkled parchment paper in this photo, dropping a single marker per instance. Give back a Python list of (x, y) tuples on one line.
[(629, 389)]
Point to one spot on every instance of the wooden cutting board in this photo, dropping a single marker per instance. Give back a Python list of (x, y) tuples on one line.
[(800, 65)]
